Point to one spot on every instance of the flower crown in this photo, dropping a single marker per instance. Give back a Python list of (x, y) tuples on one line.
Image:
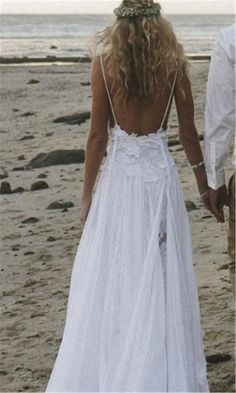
[(146, 10)]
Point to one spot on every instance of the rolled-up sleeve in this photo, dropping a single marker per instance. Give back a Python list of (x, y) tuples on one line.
[(219, 115)]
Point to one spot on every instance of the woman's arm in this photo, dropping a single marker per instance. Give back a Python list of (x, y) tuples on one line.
[(98, 136), (188, 133)]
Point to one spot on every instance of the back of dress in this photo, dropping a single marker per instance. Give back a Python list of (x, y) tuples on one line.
[(133, 320)]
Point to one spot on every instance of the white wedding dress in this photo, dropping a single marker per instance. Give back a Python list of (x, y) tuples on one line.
[(133, 320)]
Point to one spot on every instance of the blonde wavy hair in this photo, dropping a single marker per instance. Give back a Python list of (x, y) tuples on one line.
[(141, 54)]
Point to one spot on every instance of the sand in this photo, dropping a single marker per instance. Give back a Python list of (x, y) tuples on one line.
[(37, 257)]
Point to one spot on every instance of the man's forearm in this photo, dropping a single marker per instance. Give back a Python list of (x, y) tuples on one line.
[(95, 151)]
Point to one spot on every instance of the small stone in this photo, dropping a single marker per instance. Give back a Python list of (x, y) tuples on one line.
[(60, 205), (218, 357), (206, 217), (42, 176), (19, 168), (39, 185), (3, 174), (190, 206), (18, 189), (28, 253), (85, 83), (21, 157), (5, 188), (30, 220), (26, 137), (26, 114), (33, 81), (53, 47), (51, 239)]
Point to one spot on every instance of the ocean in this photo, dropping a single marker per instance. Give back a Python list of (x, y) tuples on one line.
[(70, 35)]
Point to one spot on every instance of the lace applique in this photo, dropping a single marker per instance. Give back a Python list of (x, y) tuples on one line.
[(144, 156)]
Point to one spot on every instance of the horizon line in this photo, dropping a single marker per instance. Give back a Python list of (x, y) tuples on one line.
[(111, 14)]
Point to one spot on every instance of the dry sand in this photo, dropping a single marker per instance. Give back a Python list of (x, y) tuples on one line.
[(37, 258)]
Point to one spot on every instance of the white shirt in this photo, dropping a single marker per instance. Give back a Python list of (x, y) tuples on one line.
[(220, 106)]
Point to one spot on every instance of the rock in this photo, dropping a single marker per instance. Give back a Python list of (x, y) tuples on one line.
[(42, 176), (53, 47), (190, 206), (28, 253), (21, 157), (39, 185), (33, 81), (5, 188), (76, 118), (15, 110), (19, 168), (25, 137), (85, 83), (18, 189), (206, 217), (51, 239), (218, 357), (26, 114), (60, 205), (3, 173), (49, 134), (57, 157), (30, 220)]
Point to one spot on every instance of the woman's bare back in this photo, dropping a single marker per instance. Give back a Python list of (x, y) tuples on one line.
[(145, 117)]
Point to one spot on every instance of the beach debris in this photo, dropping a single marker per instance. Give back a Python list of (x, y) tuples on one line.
[(57, 157), (60, 205), (26, 114), (5, 188), (33, 81), (3, 173), (74, 119), (206, 217), (218, 357), (30, 220), (190, 206), (39, 185)]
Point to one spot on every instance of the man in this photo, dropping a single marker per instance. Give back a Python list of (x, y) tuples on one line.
[(219, 127)]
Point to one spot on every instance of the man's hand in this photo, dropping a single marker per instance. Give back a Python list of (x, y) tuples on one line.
[(218, 199)]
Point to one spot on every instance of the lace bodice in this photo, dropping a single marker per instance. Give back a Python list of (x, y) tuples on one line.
[(144, 156)]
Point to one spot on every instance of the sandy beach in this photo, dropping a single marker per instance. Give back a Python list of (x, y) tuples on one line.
[(38, 244)]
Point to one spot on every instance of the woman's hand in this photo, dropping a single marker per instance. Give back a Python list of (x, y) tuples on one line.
[(86, 203)]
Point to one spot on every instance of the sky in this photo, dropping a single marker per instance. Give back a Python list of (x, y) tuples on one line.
[(107, 6)]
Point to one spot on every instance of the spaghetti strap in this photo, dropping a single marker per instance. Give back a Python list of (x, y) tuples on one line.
[(108, 94), (170, 98)]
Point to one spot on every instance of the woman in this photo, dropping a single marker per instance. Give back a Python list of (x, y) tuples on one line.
[(133, 321)]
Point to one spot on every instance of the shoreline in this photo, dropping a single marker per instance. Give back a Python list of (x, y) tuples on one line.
[(77, 59)]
